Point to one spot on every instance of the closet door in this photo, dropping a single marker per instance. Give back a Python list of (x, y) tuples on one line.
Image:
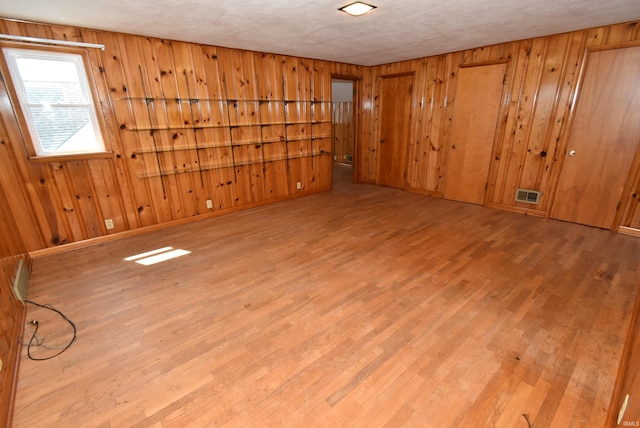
[(603, 140), (395, 117), (475, 117)]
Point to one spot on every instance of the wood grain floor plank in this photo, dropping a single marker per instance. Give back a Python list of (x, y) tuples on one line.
[(362, 306)]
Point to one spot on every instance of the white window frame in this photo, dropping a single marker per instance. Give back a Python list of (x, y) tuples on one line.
[(11, 55)]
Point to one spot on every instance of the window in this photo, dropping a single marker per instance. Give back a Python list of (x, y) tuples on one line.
[(56, 101)]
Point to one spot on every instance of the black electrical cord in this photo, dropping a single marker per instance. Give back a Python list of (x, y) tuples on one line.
[(34, 337)]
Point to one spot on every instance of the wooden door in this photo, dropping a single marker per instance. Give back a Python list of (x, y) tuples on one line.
[(395, 117), (603, 140), (475, 117)]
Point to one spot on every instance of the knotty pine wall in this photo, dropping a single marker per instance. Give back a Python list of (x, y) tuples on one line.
[(540, 88), (12, 312), (343, 125), (162, 169), (148, 181)]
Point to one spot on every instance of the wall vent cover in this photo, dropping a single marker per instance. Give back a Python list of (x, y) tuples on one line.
[(20, 281), (527, 196)]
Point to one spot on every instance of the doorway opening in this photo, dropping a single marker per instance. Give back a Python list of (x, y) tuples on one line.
[(343, 129)]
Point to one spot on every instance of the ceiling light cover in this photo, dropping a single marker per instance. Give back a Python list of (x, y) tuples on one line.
[(357, 8)]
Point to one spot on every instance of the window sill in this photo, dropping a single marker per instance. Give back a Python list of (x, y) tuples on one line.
[(71, 157)]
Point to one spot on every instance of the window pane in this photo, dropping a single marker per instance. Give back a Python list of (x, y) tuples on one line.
[(50, 81), (54, 92), (62, 129)]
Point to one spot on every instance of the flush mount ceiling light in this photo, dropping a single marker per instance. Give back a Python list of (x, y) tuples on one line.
[(357, 8)]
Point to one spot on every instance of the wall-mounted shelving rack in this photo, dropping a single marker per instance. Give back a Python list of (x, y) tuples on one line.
[(228, 149)]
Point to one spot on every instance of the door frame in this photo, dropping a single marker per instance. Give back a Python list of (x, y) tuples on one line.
[(566, 134), (357, 125)]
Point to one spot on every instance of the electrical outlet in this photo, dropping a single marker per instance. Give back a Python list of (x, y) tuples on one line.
[(298, 185), (209, 203), (335, 157), (0, 365), (109, 224)]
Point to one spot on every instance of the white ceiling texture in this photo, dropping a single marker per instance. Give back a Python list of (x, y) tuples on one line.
[(396, 30)]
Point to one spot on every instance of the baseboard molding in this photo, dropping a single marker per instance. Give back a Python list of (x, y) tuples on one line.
[(629, 231), (526, 211), (424, 192), (36, 254)]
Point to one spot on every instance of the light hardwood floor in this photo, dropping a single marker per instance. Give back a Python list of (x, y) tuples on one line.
[(362, 306)]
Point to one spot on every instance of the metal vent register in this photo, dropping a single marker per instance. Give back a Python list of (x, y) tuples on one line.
[(528, 196), (20, 281)]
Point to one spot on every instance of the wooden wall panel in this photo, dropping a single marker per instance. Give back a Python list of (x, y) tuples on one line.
[(136, 209), (343, 128), (18, 199), (12, 312), (365, 113), (156, 176), (186, 123), (540, 87), (631, 216), (424, 149)]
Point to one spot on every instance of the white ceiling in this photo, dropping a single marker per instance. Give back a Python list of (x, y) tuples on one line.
[(396, 30)]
